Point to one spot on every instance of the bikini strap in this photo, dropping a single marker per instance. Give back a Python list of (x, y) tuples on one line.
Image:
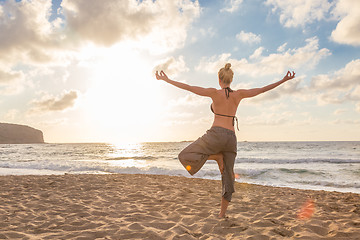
[(228, 90), (223, 115), (237, 122)]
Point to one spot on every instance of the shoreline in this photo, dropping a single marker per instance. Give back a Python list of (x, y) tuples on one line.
[(189, 141), (18, 172), (126, 206)]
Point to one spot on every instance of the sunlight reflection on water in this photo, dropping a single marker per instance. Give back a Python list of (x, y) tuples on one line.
[(129, 163)]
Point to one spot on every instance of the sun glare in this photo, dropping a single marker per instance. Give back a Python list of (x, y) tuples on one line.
[(124, 96)]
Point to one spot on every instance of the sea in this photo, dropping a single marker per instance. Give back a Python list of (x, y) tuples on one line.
[(329, 166)]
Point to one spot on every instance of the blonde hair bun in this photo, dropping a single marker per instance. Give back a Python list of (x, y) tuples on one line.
[(227, 66), (226, 74)]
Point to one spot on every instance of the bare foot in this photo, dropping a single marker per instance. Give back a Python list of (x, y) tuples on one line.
[(219, 158)]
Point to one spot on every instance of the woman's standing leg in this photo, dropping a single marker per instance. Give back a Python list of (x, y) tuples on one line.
[(223, 207), (227, 179)]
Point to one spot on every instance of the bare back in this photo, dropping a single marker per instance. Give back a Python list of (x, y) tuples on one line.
[(225, 106)]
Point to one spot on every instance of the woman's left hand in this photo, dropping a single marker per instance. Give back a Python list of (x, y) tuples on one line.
[(289, 76), (161, 76)]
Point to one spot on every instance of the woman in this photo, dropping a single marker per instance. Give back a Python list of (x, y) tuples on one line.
[(219, 143)]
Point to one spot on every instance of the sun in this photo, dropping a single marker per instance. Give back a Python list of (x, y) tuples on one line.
[(124, 97)]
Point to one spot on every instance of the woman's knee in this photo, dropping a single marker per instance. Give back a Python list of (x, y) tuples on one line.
[(184, 157), (228, 196), (181, 155)]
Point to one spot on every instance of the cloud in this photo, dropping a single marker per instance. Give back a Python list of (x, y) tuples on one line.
[(358, 107), (32, 36), (268, 119), (339, 111), (248, 37), (282, 48), (50, 103), (11, 115), (340, 86), (191, 122), (41, 39), (339, 96), (30, 40), (172, 66), (27, 35), (331, 97), (300, 12), (203, 33), (209, 32), (9, 76), (342, 79), (232, 6), (275, 63), (355, 94), (347, 30), (11, 82), (257, 53), (163, 23), (188, 100), (346, 121)]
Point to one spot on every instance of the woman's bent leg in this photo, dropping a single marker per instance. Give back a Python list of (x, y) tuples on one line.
[(219, 158), (194, 156)]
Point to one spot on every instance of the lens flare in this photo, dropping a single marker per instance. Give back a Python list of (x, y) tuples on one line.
[(307, 210)]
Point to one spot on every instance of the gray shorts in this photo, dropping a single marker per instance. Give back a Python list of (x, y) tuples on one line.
[(216, 140)]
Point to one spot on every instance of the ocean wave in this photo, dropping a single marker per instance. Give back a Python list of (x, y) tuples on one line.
[(280, 171), (325, 167), (54, 166), (330, 184), (134, 158), (297, 178), (301, 171), (295, 161)]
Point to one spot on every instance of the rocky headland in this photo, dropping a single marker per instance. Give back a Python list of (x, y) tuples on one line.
[(16, 134)]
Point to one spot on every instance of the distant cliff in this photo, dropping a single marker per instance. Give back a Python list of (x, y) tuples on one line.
[(14, 133)]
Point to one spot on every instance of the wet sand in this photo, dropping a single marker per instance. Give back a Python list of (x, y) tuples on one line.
[(162, 207)]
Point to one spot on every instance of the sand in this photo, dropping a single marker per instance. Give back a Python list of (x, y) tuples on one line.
[(162, 207)]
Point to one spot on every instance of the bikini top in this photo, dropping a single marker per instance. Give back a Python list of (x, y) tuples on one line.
[(228, 90)]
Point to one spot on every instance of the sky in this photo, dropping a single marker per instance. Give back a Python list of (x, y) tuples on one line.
[(83, 70)]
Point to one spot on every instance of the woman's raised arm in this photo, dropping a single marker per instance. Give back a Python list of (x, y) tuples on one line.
[(208, 92), (248, 93)]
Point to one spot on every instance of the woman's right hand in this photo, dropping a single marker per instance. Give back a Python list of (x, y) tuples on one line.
[(161, 76)]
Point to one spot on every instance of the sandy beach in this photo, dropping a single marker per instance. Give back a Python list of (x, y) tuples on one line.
[(163, 207)]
